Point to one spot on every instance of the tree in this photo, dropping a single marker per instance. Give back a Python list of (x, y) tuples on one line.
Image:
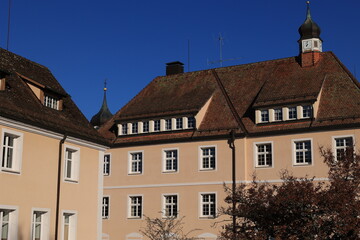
[(169, 228), (299, 208)]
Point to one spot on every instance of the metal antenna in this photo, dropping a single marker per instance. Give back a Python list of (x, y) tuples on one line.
[(221, 43), (188, 55), (8, 33)]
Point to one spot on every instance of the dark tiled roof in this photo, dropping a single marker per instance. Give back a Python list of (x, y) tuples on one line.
[(19, 103), (237, 91)]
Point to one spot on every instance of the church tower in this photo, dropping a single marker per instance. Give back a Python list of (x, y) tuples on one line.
[(104, 113), (310, 43)]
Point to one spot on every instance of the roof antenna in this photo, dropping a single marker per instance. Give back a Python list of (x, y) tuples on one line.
[(221, 43), (188, 55), (8, 33)]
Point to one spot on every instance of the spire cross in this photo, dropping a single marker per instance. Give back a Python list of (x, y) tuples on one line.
[(105, 84)]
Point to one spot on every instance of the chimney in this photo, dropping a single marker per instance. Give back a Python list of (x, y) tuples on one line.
[(174, 68)]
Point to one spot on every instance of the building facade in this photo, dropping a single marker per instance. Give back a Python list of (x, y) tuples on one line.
[(51, 158), (173, 144)]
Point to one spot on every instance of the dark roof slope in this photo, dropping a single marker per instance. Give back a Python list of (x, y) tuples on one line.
[(19, 103), (237, 91)]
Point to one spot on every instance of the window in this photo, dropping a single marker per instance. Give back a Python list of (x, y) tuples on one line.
[(124, 129), (168, 125), (302, 152), (343, 146), (170, 206), (51, 102), (156, 125), (146, 126), (11, 151), (69, 226), (278, 115), (292, 113), (208, 205), (105, 207), (207, 158), (191, 122), (8, 223), (72, 161), (170, 160), (135, 206), (107, 158), (134, 128), (179, 123), (264, 115), (40, 225), (136, 162), (307, 111), (263, 155)]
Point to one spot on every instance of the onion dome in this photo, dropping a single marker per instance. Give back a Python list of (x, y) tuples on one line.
[(104, 113), (309, 29)]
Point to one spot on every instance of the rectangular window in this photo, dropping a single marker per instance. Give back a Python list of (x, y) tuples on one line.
[(307, 111), (134, 129), (156, 125), (145, 126), (69, 226), (263, 155), (343, 147), (170, 206), (191, 122), (179, 123), (292, 113), (168, 125), (135, 206), (208, 205), (107, 158), (278, 115), (302, 151), (40, 225), (124, 129), (105, 207), (8, 224), (170, 160), (136, 162), (11, 151), (264, 115), (72, 162), (208, 158), (51, 102)]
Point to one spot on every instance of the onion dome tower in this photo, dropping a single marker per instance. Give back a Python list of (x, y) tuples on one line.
[(104, 113), (310, 41)]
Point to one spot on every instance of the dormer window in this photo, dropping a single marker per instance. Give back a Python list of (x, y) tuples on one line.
[(179, 123), (51, 102), (264, 115), (191, 122), (145, 126), (134, 128), (307, 111), (156, 125), (292, 113), (124, 129), (278, 114), (168, 125)]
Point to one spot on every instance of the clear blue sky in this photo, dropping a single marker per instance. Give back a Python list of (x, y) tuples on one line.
[(128, 42)]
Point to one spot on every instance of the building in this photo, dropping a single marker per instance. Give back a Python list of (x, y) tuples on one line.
[(172, 144), (51, 158)]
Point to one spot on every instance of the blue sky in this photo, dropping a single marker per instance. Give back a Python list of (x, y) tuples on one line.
[(128, 42)]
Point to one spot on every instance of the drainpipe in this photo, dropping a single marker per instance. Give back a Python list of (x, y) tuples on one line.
[(231, 143), (61, 143)]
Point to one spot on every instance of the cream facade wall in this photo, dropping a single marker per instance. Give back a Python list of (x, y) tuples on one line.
[(34, 187), (189, 182)]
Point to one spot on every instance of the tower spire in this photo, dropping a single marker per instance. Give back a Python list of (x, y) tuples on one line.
[(104, 113), (308, 14)]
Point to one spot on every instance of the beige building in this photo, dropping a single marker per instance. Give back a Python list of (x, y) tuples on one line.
[(51, 158), (172, 144)]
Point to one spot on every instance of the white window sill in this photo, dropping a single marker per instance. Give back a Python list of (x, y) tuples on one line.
[(71, 180), (13, 171)]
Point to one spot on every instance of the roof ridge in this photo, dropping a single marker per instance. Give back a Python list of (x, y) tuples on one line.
[(30, 61)]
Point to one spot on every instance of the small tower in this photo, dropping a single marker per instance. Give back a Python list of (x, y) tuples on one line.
[(310, 43), (104, 113)]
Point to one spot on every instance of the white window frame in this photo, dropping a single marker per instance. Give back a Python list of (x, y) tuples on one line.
[(17, 151), (146, 127), (51, 102), (130, 161), (202, 204), (75, 166), (179, 123), (107, 164), (105, 206), (157, 125), (165, 160), (201, 158), (168, 124), (294, 151), (256, 154), (72, 224), (137, 204), (191, 120), (262, 114), (282, 114), (124, 129), (303, 109), (13, 221), (165, 204), (45, 223), (134, 128), (335, 148), (296, 113)]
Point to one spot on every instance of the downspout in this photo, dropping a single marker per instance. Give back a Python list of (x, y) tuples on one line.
[(231, 143), (61, 143)]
